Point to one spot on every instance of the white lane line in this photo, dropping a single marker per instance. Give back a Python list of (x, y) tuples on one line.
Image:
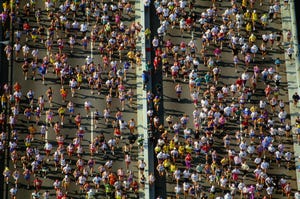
[(46, 133), (92, 126), (48, 36), (91, 49)]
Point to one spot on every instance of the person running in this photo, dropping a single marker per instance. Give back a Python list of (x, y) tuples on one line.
[(63, 93), (61, 113), (49, 94), (178, 90), (73, 85)]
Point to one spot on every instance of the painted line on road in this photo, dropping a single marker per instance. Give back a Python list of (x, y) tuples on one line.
[(92, 126), (46, 134), (48, 36), (91, 49)]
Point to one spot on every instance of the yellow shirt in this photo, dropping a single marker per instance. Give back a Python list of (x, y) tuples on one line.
[(172, 168), (181, 149), (247, 15), (224, 161), (254, 17), (171, 145), (63, 91), (252, 38), (79, 77), (165, 149), (130, 55), (248, 27), (213, 166), (31, 129), (61, 110), (157, 149), (3, 98), (253, 109), (188, 149), (156, 100), (52, 60), (166, 163)]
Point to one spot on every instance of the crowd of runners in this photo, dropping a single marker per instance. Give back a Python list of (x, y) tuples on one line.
[(250, 152), (61, 28), (188, 150)]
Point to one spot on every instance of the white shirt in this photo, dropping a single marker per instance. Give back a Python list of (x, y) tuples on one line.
[(75, 25), (282, 115), (290, 51), (186, 186), (73, 84), (254, 49), (83, 27), (81, 179), (233, 88), (87, 104), (25, 49), (17, 47), (186, 174), (269, 190), (195, 95), (35, 52), (177, 189), (48, 146), (264, 165), (245, 76)]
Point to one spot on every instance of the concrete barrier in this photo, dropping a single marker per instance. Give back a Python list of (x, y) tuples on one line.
[(143, 45), (288, 15)]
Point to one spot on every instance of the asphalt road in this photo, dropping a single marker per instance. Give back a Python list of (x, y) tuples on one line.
[(69, 129), (165, 185)]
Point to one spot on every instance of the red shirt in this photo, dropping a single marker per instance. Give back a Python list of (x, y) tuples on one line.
[(26, 26), (239, 82), (37, 182), (189, 21), (158, 52)]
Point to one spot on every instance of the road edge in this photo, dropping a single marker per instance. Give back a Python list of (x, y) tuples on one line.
[(288, 16)]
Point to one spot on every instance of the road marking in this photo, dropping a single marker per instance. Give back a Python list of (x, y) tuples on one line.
[(92, 126), (91, 49), (46, 134), (48, 36)]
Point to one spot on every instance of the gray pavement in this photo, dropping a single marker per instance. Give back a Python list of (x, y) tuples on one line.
[(169, 105), (172, 107), (68, 129)]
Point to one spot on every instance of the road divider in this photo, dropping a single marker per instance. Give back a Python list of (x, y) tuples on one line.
[(142, 15)]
